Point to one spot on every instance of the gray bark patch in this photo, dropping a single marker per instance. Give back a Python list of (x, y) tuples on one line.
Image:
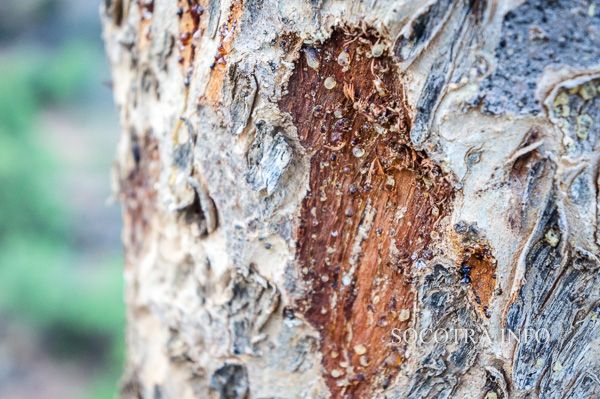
[(230, 381), (559, 296), (535, 35), (253, 301), (445, 307), (268, 158)]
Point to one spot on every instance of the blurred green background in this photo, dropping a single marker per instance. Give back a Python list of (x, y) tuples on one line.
[(61, 302)]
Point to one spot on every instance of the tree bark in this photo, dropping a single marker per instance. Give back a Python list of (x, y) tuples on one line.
[(356, 199)]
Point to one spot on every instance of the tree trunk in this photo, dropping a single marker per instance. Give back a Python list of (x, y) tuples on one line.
[(355, 199)]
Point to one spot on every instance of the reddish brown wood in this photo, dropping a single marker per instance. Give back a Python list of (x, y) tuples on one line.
[(372, 208)]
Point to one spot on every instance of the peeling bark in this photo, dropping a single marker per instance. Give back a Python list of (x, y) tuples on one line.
[(304, 182)]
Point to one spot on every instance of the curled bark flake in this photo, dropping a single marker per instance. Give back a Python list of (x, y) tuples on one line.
[(418, 32), (268, 158), (243, 96), (529, 173), (495, 384), (206, 204), (449, 64), (230, 381), (253, 301)]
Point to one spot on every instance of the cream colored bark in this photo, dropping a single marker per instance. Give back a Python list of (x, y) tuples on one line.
[(303, 181)]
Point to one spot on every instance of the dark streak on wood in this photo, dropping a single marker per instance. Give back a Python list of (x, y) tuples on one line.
[(138, 194), (372, 210)]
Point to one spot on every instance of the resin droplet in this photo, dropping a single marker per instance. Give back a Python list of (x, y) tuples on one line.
[(312, 58), (377, 50), (358, 152), (330, 83), (343, 59), (360, 349)]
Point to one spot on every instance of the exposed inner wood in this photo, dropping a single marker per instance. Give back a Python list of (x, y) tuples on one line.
[(372, 210), (227, 34), (190, 13), (478, 269), (145, 27)]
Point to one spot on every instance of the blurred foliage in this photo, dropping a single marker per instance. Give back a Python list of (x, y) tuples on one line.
[(15, 14), (74, 307)]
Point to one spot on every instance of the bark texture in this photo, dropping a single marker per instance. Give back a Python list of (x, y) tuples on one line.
[(300, 179)]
